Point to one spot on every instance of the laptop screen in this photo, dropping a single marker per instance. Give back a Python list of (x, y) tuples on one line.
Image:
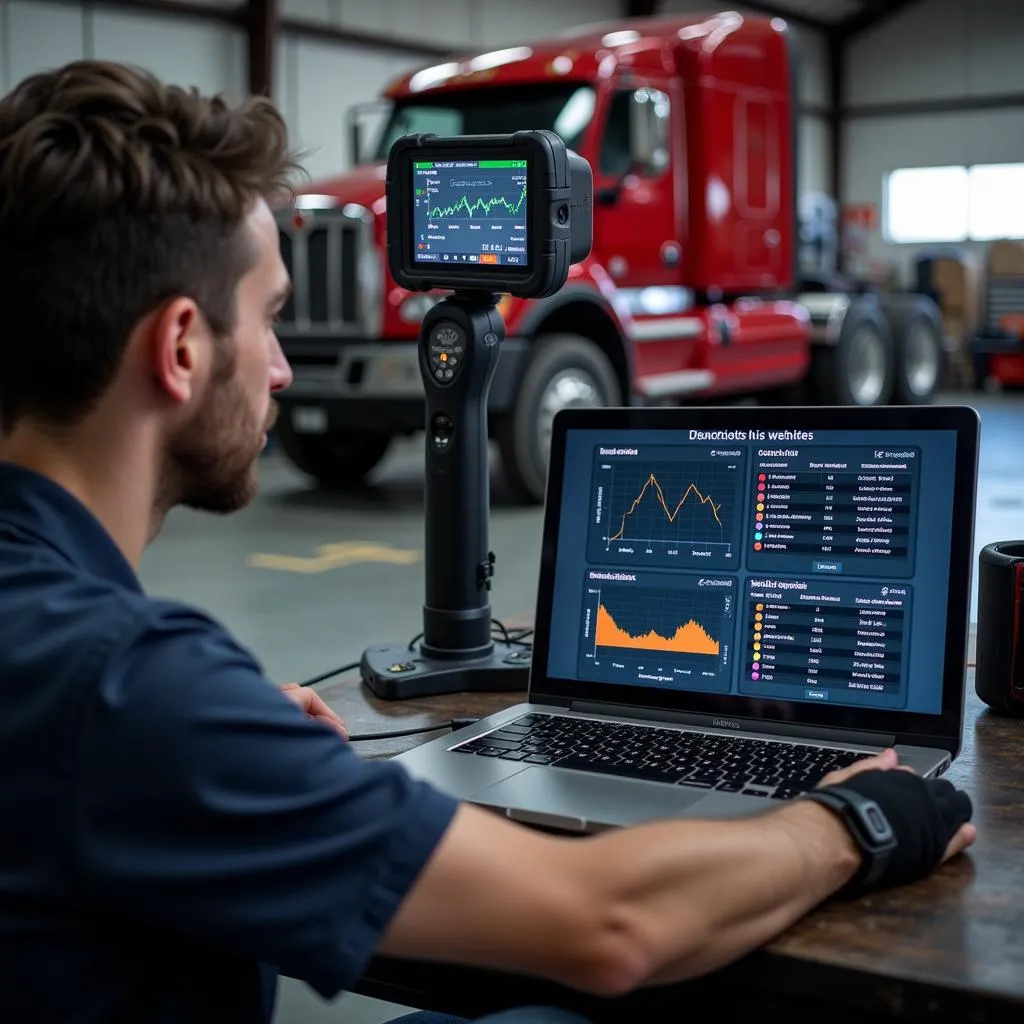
[(802, 566)]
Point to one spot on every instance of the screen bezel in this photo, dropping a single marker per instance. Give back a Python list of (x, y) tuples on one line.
[(481, 271), (943, 729)]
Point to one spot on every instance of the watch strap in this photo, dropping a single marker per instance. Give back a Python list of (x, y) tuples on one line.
[(869, 827)]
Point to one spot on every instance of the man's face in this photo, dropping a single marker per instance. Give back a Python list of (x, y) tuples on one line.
[(213, 459)]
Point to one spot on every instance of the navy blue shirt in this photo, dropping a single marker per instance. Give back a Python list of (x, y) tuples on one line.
[(175, 831)]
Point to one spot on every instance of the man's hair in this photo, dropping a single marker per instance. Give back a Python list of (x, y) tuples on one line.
[(118, 193)]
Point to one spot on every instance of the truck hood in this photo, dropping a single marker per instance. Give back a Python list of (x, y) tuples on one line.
[(362, 185)]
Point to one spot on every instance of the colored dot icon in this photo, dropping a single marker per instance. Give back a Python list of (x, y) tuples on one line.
[(758, 534), (755, 668)]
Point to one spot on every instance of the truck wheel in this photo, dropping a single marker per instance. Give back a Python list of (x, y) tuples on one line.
[(335, 460), (565, 371), (860, 368), (920, 354)]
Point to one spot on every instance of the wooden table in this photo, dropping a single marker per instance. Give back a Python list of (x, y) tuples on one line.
[(949, 948)]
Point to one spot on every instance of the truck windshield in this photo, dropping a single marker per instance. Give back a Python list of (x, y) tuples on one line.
[(565, 109)]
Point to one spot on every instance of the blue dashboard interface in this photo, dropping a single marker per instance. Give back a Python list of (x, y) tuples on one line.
[(788, 565), (470, 211)]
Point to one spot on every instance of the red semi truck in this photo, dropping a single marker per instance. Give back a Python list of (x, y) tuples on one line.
[(693, 290)]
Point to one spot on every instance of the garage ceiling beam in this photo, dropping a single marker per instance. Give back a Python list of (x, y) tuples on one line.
[(354, 37), (837, 130), (224, 14), (923, 108), (262, 39), (239, 15), (872, 14)]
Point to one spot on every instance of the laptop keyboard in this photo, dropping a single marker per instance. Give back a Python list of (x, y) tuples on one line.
[(771, 769)]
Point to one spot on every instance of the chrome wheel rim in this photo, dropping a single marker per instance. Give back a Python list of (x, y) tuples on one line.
[(569, 389), (867, 365), (921, 360)]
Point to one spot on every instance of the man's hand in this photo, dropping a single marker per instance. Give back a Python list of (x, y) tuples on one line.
[(315, 706), (887, 761)]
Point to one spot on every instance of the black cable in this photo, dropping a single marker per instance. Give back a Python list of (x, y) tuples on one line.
[(516, 638), (334, 672), (453, 724)]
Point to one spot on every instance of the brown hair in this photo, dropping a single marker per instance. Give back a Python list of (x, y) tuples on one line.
[(117, 193)]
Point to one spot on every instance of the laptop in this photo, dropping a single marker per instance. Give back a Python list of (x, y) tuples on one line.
[(732, 602)]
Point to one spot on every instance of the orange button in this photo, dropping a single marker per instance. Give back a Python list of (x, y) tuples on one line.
[(488, 257)]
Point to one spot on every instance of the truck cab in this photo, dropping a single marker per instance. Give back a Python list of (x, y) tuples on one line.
[(691, 291)]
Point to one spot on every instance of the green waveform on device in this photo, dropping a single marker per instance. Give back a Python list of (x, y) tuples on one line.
[(484, 205)]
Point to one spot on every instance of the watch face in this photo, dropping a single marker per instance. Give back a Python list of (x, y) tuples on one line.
[(877, 822), (864, 818)]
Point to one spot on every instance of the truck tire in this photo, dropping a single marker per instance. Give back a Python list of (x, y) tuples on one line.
[(564, 371), (859, 369), (335, 460), (920, 351)]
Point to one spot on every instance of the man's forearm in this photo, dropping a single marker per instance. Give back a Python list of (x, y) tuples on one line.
[(608, 913), (698, 895)]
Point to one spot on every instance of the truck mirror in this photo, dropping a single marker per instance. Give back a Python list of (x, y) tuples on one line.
[(365, 122), (355, 142), (648, 131)]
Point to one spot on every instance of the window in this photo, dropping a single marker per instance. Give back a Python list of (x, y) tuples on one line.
[(616, 148), (565, 108), (955, 204), (997, 201), (636, 134), (927, 204)]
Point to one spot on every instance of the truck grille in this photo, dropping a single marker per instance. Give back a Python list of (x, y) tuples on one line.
[(331, 258)]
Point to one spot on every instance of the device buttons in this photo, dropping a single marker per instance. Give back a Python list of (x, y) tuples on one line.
[(441, 430), (446, 350)]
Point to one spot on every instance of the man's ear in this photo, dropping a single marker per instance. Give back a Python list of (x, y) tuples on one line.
[(176, 351)]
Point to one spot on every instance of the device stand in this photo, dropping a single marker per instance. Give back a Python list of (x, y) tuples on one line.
[(459, 343)]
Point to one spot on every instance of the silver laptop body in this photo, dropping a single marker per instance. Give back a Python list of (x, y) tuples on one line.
[(732, 601)]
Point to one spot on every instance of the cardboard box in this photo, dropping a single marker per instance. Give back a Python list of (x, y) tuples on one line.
[(959, 285), (955, 329), (1006, 259)]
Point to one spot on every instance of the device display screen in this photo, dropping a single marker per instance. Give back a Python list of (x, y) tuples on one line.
[(791, 567), (470, 212)]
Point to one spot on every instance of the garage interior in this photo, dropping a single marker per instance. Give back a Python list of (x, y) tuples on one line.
[(911, 178)]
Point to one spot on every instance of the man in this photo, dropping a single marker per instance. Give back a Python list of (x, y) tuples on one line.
[(177, 829)]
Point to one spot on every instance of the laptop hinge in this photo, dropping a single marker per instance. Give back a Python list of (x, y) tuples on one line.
[(720, 722)]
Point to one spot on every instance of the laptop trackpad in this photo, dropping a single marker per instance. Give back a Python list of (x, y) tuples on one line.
[(579, 802)]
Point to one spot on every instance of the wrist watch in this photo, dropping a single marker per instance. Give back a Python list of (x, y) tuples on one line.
[(869, 827)]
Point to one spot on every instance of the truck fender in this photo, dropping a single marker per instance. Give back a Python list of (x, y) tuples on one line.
[(827, 310), (582, 310)]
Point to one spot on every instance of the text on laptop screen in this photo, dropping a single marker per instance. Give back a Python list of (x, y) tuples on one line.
[(786, 565)]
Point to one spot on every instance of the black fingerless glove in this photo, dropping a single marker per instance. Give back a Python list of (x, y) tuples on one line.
[(920, 817)]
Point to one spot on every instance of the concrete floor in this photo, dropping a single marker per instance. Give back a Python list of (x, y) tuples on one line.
[(305, 608)]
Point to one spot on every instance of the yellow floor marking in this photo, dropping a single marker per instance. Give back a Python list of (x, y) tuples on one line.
[(335, 556)]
